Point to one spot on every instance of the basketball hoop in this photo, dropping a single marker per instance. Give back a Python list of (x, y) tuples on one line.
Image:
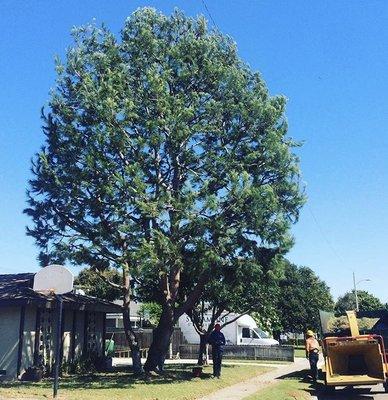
[(55, 280)]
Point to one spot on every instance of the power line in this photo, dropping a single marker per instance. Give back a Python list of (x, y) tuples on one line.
[(323, 234), (210, 16)]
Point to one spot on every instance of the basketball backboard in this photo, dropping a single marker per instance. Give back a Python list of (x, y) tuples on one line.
[(53, 278)]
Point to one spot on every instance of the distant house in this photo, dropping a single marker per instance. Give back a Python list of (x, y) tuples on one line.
[(28, 326), (115, 322)]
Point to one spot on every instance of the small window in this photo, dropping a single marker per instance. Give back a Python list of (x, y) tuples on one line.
[(255, 335), (246, 333), (119, 323), (110, 323), (261, 333)]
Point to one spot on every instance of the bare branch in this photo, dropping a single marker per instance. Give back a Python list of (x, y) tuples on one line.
[(236, 318)]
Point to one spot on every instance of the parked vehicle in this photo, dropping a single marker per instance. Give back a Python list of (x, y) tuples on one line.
[(242, 331)]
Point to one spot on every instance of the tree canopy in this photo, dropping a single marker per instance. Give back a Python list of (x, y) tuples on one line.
[(162, 147), (243, 287), (366, 302), (94, 285), (301, 295)]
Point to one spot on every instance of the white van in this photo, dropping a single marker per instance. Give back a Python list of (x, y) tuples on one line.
[(243, 331)]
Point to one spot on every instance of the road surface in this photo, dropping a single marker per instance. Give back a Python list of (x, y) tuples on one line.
[(358, 393)]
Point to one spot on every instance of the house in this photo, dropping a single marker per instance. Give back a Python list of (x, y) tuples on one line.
[(114, 321), (28, 326)]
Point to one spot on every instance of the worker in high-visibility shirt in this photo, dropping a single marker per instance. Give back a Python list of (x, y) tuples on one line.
[(312, 353)]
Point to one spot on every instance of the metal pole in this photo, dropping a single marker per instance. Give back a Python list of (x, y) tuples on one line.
[(58, 346), (355, 291)]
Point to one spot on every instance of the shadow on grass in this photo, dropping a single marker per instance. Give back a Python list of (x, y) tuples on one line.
[(321, 392), (119, 379)]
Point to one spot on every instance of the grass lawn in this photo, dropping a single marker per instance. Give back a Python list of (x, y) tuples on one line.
[(300, 351), (176, 383), (292, 387)]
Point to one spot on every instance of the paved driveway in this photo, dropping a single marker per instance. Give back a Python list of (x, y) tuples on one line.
[(359, 393)]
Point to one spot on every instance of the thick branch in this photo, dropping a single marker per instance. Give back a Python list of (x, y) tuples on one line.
[(193, 297), (106, 280), (236, 318)]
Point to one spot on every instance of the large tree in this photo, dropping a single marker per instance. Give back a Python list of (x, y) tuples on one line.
[(162, 147), (301, 295), (366, 302)]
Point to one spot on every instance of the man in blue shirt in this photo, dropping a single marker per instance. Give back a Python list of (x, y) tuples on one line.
[(217, 340)]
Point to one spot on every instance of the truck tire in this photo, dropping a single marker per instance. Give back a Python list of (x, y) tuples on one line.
[(385, 384), (328, 389)]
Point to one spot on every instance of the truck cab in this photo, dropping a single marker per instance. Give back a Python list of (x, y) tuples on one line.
[(248, 333), (255, 336)]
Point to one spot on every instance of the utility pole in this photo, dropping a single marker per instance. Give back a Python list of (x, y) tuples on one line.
[(355, 290)]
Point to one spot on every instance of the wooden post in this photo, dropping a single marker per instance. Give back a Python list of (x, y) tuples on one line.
[(73, 336), (37, 336), (103, 333), (21, 337), (85, 341), (58, 346)]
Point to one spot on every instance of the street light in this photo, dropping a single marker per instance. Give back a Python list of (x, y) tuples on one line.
[(355, 288)]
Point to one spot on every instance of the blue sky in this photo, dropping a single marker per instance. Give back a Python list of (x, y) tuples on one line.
[(329, 58)]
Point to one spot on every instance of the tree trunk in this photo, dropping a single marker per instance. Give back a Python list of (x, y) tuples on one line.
[(202, 354), (132, 340), (161, 341)]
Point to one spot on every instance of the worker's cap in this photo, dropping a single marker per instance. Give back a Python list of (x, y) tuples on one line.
[(309, 332)]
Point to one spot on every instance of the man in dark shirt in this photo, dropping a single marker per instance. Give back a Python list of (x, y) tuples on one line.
[(217, 340)]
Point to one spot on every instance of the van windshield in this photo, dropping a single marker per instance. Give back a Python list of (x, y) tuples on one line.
[(260, 333)]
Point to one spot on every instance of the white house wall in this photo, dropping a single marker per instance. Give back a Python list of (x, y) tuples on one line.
[(28, 339), (9, 335), (79, 334)]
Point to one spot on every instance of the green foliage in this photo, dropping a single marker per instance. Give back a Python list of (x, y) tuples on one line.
[(245, 286), (94, 285), (301, 295), (269, 320), (340, 325), (164, 155), (150, 311), (366, 302), (86, 364)]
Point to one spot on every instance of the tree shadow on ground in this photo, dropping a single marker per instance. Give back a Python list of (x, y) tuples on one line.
[(120, 379), (321, 392)]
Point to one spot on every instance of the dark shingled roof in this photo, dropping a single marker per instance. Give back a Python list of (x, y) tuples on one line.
[(16, 289)]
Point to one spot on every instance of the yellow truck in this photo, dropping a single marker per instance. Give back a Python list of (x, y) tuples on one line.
[(355, 359)]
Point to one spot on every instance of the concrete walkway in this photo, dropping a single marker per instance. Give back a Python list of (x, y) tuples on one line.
[(251, 386), (124, 362)]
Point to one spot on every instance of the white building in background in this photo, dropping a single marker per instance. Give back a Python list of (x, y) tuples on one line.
[(242, 331)]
